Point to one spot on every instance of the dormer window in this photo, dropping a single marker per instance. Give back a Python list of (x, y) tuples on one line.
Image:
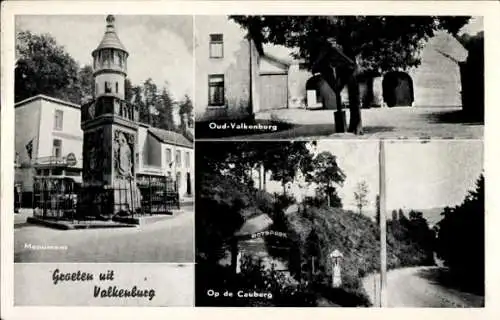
[(216, 45)]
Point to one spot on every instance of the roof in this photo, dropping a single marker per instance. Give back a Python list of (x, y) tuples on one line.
[(170, 137), (110, 39), (46, 98), (449, 46), (256, 224)]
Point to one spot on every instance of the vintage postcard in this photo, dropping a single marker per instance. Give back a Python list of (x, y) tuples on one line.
[(243, 158)]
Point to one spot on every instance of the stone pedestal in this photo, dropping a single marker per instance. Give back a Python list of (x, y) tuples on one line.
[(109, 162)]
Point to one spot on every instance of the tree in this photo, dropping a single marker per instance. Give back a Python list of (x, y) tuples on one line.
[(129, 90), (150, 96), (86, 83), (460, 240), (186, 114), (164, 107), (361, 196), (285, 159), (372, 43), (44, 67), (327, 174)]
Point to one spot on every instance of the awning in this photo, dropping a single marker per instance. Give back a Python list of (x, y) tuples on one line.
[(253, 225), (77, 179)]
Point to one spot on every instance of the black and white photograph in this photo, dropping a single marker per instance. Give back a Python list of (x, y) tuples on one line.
[(104, 167), (358, 77), (435, 211), (286, 223), (248, 157)]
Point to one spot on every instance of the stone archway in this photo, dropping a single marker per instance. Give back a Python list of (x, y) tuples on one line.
[(397, 89)]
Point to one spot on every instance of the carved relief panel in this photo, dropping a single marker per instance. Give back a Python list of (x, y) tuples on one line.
[(123, 154), (93, 155)]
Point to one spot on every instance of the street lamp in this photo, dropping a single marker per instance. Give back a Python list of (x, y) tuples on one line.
[(336, 256)]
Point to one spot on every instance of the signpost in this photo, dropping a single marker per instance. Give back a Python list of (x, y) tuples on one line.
[(336, 255), (71, 159)]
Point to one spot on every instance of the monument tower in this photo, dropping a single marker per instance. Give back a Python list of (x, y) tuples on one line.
[(109, 134)]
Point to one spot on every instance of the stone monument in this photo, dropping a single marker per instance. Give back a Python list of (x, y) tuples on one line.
[(109, 135), (335, 257)]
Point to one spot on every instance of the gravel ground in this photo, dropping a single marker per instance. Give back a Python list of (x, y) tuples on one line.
[(393, 123), (408, 288)]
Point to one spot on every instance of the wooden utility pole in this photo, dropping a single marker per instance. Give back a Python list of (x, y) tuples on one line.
[(383, 238)]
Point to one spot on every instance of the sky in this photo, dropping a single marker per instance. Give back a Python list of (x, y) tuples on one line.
[(434, 174), (359, 160), (474, 26), (160, 47)]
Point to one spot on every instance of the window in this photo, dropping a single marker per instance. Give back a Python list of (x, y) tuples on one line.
[(116, 87), (168, 155), (187, 161), (57, 148), (216, 90), (58, 120), (178, 159), (107, 87), (216, 46), (120, 60)]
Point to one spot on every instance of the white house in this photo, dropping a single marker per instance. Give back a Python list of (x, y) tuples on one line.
[(237, 77), (166, 153), (48, 141)]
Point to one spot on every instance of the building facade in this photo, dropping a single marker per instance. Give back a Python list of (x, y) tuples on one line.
[(166, 153), (226, 70), (237, 77), (48, 142)]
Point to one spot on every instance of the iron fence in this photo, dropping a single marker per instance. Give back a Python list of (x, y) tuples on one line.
[(54, 198), (159, 195), (63, 199)]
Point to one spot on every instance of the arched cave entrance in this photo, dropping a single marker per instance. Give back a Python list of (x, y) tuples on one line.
[(397, 89), (324, 93)]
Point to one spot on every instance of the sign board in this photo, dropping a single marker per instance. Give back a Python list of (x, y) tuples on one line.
[(71, 159)]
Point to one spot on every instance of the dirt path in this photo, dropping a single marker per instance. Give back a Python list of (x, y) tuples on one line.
[(413, 287)]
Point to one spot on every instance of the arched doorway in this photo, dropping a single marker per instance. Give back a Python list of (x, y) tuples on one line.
[(324, 94), (398, 89)]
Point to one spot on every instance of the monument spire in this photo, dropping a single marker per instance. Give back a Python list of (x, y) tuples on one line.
[(110, 133)]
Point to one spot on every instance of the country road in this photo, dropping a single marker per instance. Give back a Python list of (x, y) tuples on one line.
[(416, 287)]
